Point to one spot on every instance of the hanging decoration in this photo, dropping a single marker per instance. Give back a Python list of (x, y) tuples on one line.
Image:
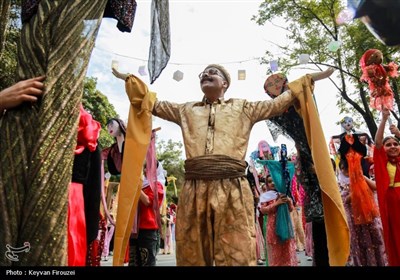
[(273, 65), (377, 74), (178, 76), (241, 75), (114, 64), (304, 58), (142, 70), (333, 46), (345, 16)]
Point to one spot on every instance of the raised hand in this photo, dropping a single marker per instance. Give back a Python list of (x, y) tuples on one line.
[(119, 74), (323, 75)]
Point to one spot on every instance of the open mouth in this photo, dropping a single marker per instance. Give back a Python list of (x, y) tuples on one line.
[(210, 79)]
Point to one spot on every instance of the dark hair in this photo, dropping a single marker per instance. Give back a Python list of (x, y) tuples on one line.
[(333, 164), (343, 164), (389, 137), (120, 123)]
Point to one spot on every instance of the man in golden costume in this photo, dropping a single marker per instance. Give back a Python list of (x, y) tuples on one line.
[(215, 219)]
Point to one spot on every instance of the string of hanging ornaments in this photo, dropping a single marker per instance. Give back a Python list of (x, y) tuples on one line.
[(178, 75)]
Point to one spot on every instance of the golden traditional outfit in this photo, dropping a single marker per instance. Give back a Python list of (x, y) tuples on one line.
[(215, 220)]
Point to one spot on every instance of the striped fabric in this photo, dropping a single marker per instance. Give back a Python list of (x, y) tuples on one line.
[(37, 141)]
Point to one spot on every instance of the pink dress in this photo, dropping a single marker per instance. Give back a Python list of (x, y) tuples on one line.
[(279, 253)]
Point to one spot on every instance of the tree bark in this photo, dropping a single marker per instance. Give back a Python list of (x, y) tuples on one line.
[(4, 15)]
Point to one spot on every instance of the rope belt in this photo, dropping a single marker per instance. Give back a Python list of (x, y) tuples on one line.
[(214, 167)]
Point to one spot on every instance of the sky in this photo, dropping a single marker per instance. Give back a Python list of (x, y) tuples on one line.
[(202, 32)]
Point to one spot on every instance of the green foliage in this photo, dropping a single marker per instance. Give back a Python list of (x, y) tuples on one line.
[(9, 43), (170, 155), (310, 26)]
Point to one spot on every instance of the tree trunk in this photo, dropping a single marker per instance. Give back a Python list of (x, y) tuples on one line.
[(4, 15)]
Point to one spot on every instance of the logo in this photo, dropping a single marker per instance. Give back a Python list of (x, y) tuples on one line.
[(12, 253)]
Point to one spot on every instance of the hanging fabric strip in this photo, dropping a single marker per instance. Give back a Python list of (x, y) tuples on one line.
[(160, 45)]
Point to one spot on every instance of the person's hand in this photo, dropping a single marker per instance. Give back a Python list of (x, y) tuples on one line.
[(119, 75), (394, 130), (323, 75), (23, 91), (282, 199), (385, 113)]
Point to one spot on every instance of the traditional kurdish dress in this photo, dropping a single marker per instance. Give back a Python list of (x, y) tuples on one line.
[(387, 176)]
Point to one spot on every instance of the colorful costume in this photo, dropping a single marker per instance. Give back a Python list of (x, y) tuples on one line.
[(216, 208), (304, 128), (223, 191), (143, 245), (389, 204), (280, 253), (364, 207), (84, 191), (376, 74)]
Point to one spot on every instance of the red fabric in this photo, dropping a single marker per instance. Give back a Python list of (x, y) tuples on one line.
[(76, 226), (147, 216), (389, 207), (96, 247), (88, 132), (126, 260)]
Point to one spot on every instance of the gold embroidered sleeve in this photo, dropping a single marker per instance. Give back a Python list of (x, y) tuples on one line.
[(168, 111)]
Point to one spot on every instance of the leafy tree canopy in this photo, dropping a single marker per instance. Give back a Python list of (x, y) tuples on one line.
[(170, 155), (310, 25)]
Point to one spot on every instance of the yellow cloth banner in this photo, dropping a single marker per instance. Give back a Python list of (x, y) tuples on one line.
[(337, 230), (136, 143)]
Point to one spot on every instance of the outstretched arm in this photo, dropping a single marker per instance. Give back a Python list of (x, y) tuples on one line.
[(119, 75), (137, 91), (381, 128), (322, 75)]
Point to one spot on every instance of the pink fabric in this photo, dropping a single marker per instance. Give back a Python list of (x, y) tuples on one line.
[(260, 149), (151, 175), (107, 239), (309, 240), (279, 253), (151, 179)]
